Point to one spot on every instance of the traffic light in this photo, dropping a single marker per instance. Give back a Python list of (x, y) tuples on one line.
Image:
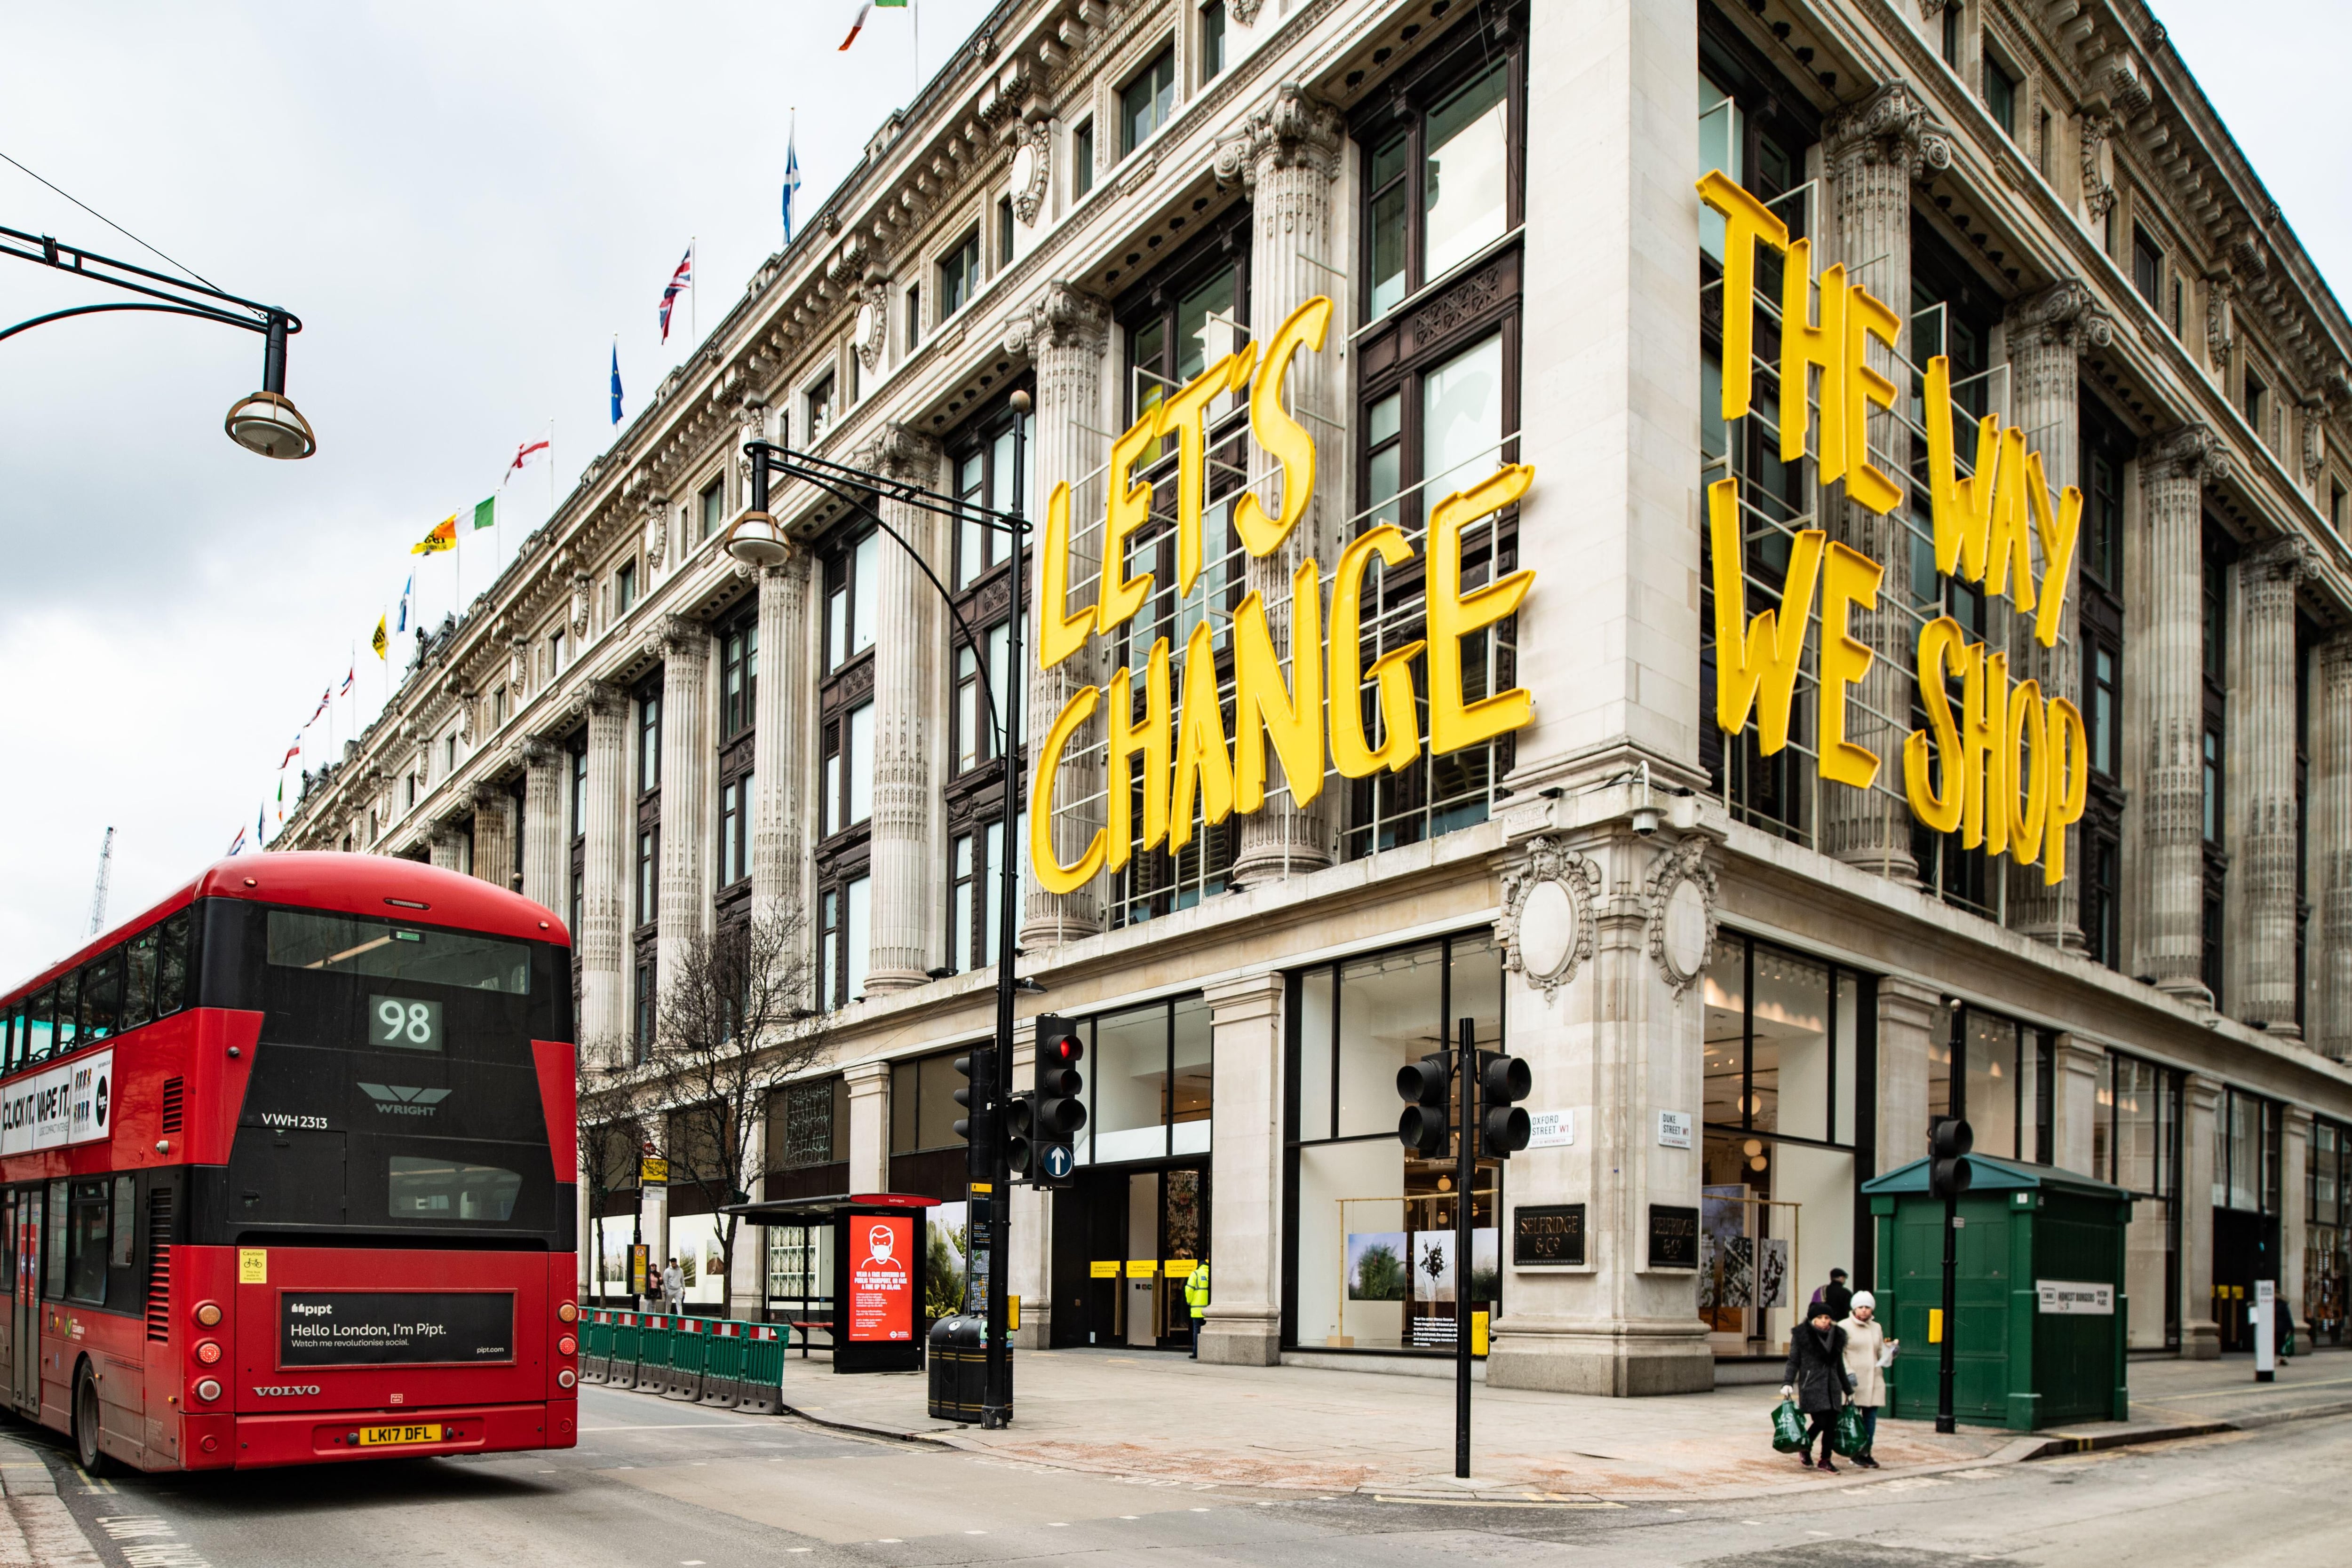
[(1948, 1142), (1424, 1085), (1502, 1125), (977, 1096), (1056, 1109), (1021, 1150)]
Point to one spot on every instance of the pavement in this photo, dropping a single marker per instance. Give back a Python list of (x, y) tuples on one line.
[(1153, 1415), (656, 1483)]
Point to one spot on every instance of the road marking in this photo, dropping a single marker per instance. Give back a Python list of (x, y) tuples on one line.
[(148, 1542), (665, 1427)]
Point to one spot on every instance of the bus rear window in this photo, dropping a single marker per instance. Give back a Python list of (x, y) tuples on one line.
[(347, 944), (425, 1188)]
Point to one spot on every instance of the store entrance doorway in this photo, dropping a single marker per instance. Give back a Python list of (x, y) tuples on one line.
[(1124, 1243), (2245, 1248)]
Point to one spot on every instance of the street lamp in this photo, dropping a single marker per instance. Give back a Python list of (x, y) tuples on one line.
[(265, 421), (756, 539)]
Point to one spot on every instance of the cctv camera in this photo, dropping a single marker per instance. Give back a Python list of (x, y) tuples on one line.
[(1645, 820)]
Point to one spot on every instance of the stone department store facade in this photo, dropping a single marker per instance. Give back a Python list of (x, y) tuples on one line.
[(1747, 984)]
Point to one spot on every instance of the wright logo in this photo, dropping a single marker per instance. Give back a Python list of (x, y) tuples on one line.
[(401, 1100)]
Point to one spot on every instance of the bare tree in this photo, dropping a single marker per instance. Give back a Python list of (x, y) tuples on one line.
[(611, 1134), (732, 1024)]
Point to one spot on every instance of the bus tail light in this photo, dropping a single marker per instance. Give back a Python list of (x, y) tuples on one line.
[(208, 1351), (568, 1345), (208, 1314), (565, 1379), (566, 1313), (208, 1390)]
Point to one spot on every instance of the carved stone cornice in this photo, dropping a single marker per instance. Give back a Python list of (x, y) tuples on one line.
[(2064, 314), (1891, 124), (2189, 452)]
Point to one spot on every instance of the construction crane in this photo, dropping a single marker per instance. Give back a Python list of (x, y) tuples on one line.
[(98, 898)]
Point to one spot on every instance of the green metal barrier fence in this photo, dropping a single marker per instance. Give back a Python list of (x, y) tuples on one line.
[(725, 1363)]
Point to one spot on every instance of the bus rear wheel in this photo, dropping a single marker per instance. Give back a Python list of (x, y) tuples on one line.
[(94, 1458)]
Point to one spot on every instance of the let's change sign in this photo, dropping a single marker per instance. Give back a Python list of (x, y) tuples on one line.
[(72, 1103)]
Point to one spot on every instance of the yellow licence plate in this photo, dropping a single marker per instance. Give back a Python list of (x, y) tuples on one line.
[(375, 1436)]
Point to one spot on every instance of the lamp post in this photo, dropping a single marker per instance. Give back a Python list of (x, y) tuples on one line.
[(265, 421), (756, 539)]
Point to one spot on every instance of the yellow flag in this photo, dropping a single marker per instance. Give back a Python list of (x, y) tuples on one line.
[(443, 536), (379, 642)]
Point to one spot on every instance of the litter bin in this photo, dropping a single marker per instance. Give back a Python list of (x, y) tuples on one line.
[(959, 1368)]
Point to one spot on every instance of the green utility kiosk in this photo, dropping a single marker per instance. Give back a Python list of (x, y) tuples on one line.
[(2040, 1301)]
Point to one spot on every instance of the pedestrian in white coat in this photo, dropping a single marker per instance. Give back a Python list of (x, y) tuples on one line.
[(1867, 1351)]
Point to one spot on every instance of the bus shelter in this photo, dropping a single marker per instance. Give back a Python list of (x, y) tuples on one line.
[(873, 1316)]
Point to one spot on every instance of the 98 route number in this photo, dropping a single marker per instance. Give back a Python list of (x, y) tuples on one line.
[(403, 1023)]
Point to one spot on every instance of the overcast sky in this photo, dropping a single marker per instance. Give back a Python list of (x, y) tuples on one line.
[(464, 204)]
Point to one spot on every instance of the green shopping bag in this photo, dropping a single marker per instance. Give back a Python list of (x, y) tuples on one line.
[(1851, 1437), (1788, 1428)]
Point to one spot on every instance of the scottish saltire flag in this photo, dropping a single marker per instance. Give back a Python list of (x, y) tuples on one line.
[(791, 176), (260, 824), (405, 590), (680, 282), (616, 384)]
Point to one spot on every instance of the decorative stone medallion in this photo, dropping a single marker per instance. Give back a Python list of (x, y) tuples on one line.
[(1030, 168), (1546, 929), (1682, 904)]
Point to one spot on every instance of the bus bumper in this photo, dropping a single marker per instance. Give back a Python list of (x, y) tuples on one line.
[(306, 1438)]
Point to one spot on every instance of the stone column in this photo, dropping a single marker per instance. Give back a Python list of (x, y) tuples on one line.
[(1906, 1027), (2046, 333), (1065, 334), (1293, 152), (1242, 1326), (447, 849), (2166, 660), (545, 834), (1612, 421), (687, 759), (603, 964), (869, 1126), (2295, 1211), (1872, 153), (909, 875), (2074, 1104), (747, 1270), (494, 835), (1606, 935), (779, 759), (2200, 1335), (2262, 828), (2329, 839)]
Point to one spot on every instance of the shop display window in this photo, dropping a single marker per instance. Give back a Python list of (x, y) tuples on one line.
[(1371, 1260)]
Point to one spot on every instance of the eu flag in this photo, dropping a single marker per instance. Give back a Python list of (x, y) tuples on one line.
[(616, 384)]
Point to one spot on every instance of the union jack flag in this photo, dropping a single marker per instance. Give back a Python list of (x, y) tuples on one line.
[(679, 281)]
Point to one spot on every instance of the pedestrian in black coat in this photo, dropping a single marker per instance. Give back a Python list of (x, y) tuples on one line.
[(1817, 1379)]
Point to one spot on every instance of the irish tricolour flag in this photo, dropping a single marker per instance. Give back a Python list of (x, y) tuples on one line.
[(865, 6)]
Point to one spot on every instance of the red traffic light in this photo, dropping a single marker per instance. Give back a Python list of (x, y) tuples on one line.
[(1062, 1049)]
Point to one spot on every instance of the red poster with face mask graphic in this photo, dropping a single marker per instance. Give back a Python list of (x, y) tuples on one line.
[(881, 1278)]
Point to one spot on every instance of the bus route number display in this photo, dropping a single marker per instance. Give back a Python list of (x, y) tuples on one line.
[(881, 1279), (395, 1328), (403, 1023)]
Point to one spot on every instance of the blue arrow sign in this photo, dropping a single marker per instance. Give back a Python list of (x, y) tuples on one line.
[(1058, 1161)]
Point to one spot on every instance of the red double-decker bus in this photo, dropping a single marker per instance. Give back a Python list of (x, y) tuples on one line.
[(287, 1172)]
